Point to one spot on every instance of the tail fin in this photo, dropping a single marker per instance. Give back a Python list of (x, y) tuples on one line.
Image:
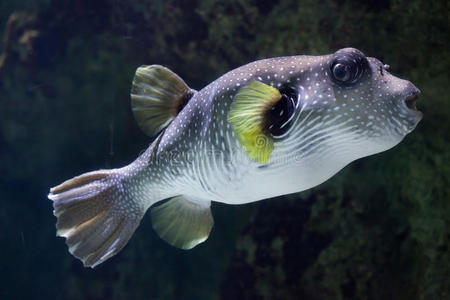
[(95, 215)]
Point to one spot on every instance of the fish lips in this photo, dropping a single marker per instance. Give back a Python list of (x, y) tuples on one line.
[(409, 102), (410, 114)]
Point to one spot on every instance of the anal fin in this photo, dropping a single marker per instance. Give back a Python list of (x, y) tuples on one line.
[(183, 223)]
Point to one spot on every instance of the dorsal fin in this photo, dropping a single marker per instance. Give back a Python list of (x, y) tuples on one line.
[(157, 96)]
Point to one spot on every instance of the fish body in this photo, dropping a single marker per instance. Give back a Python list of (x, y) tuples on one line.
[(272, 127)]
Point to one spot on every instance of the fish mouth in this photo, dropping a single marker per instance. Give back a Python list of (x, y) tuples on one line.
[(410, 101), (410, 104)]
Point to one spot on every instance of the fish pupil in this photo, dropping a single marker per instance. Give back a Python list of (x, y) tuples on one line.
[(341, 72)]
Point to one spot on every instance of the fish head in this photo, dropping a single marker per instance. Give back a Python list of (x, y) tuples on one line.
[(303, 118), (349, 103)]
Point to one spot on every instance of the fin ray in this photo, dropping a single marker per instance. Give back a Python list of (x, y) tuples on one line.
[(246, 117), (94, 215)]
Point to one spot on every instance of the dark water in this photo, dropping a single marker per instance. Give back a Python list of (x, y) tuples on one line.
[(380, 229)]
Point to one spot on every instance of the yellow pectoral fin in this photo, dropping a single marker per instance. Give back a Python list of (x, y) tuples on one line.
[(247, 115)]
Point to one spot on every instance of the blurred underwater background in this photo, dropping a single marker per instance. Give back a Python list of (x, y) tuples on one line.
[(379, 229)]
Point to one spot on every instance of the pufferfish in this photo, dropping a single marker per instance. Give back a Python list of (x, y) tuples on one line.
[(272, 127)]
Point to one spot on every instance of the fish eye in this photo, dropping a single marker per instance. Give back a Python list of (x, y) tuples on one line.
[(348, 66), (341, 72), (279, 117)]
